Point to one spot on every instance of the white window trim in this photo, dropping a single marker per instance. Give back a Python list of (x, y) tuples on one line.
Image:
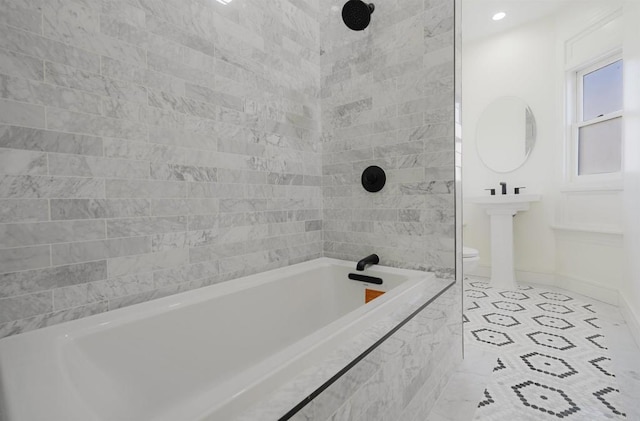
[(574, 80)]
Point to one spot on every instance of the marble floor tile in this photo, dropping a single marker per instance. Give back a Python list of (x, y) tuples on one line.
[(626, 364), (459, 399), (560, 355)]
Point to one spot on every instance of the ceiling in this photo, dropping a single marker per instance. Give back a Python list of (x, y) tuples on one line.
[(476, 15)]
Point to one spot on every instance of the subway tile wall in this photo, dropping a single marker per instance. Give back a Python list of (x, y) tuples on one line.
[(153, 146), (388, 100), (149, 147)]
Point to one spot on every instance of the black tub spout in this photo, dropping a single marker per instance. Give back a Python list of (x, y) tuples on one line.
[(372, 259)]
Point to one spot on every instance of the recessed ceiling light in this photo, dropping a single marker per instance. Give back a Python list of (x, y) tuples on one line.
[(225, 2), (499, 16)]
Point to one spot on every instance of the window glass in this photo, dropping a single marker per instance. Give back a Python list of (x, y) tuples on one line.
[(600, 147), (602, 91)]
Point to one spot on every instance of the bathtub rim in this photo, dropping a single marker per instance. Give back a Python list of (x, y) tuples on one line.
[(159, 305), (245, 382), (63, 333)]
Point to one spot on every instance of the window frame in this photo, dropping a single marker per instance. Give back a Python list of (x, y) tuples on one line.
[(575, 99)]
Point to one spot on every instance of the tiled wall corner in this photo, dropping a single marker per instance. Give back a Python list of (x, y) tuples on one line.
[(148, 147), (403, 377), (388, 100)]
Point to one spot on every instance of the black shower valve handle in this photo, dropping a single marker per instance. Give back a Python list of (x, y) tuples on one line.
[(493, 191), (516, 190), (373, 179)]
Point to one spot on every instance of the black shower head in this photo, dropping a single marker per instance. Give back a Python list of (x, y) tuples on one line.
[(356, 14)]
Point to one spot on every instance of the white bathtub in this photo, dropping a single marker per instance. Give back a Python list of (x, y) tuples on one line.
[(205, 354)]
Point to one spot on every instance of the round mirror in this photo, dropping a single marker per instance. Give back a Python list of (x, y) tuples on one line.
[(506, 134)]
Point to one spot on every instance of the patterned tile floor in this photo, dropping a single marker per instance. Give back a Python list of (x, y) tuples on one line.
[(553, 360)]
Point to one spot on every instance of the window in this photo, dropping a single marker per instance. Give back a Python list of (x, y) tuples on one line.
[(597, 130)]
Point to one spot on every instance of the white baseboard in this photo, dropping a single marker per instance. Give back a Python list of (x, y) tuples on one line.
[(589, 289), (536, 278), (521, 275), (631, 318), (480, 271), (581, 286)]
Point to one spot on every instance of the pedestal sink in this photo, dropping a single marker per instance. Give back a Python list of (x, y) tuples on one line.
[(501, 209)]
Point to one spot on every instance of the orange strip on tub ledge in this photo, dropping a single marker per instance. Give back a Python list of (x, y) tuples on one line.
[(370, 294)]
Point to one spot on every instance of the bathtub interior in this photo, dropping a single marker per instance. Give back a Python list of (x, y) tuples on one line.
[(201, 347), (172, 362)]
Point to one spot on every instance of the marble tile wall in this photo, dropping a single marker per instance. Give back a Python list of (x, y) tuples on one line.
[(388, 100), (148, 147)]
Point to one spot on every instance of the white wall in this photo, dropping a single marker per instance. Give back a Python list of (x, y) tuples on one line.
[(571, 238), (631, 287), (512, 64), (588, 220)]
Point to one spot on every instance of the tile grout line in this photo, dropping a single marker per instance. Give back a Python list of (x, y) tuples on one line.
[(579, 312)]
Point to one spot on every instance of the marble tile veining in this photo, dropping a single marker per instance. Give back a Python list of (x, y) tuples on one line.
[(459, 400), (143, 138), (377, 109)]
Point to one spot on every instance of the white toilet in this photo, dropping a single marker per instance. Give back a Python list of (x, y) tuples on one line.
[(470, 259)]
